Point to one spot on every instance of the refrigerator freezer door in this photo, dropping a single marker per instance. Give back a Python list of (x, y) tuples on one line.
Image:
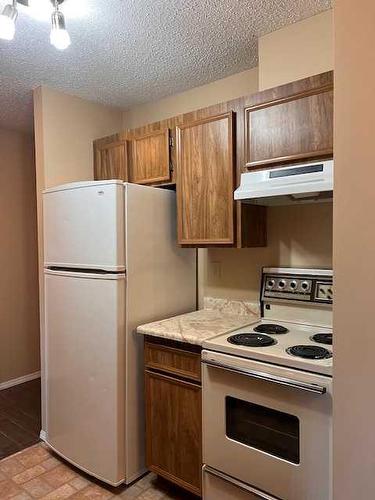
[(85, 371), (84, 226)]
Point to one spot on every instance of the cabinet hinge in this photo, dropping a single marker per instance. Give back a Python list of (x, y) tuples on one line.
[(171, 142)]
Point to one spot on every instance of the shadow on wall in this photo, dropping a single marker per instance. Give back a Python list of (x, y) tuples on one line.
[(298, 236)]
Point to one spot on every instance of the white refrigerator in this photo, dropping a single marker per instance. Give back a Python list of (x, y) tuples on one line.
[(111, 263)]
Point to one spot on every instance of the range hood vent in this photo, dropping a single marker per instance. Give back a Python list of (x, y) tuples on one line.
[(307, 183)]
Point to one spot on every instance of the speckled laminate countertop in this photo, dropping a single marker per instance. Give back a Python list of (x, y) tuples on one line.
[(218, 316)]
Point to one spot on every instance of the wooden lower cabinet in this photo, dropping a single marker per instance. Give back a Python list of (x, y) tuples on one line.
[(174, 428)]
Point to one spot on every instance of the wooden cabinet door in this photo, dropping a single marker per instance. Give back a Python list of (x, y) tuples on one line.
[(150, 158), (110, 161), (290, 123), (205, 181), (174, 430)]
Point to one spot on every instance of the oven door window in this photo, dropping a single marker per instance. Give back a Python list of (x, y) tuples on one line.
[(263, 428)]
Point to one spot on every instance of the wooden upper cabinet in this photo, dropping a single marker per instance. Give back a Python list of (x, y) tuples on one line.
[(150, 158), (110, 160), (290, 123), (205, 181)]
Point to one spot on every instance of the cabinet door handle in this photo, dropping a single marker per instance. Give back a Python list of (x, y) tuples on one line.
[(238, 484), (172, 378), (268, 377)]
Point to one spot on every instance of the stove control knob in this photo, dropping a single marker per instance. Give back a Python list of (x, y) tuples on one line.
[(293, 285), (305, 285), (270, 284), (281, 284)]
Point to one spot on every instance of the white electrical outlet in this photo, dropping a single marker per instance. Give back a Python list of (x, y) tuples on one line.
[(324, 291)]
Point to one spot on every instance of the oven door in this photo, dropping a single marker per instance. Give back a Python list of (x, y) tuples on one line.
[(268, 426)]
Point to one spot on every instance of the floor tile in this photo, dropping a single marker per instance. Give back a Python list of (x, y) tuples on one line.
[(59, 476), (38, 473), (151, 494), (79, 483), (37, 487), (93, 492), (11, 466), (28, 474), (22, 496), (64, 491), (33, 456), (9, 489), (50, 463), (132, 492)]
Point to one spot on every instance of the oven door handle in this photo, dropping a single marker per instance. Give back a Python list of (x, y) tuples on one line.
[(276, 379), (235, 482)]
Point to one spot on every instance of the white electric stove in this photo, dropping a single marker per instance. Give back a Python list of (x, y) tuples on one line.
[(296, 325), (267, 395)]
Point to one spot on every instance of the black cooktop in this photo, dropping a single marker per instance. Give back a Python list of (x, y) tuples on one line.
[(322, 338), (309, 351), (271, 329), (251, 340)]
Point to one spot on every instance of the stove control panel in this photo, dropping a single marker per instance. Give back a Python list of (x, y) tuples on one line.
[(295, 284)]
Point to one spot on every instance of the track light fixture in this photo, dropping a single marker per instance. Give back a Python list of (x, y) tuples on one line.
[(59, 36), (8, 21)]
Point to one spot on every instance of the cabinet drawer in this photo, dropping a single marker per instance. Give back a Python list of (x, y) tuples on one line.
[(218, 486), (173, 360)]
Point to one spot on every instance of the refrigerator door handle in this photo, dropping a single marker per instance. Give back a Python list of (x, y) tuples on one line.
[(84, 273)]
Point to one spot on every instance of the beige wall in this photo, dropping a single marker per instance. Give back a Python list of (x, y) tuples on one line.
[(19, 312), (354, 251), (69, 125), (200, 97), (296, 51), (65, 127), (297, 236)]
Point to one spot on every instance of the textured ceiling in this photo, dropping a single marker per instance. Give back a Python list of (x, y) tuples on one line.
[(127, 52)]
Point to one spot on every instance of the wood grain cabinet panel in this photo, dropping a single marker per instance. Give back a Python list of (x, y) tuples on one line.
[(290, 123), (174, 361), (110, 160), (174, 429), (205, 181), (150, 158)]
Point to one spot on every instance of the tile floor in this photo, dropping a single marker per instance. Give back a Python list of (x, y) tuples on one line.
[(36, 472), (19, 417)]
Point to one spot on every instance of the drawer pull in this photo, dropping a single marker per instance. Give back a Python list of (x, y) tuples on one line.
[(295, 384)]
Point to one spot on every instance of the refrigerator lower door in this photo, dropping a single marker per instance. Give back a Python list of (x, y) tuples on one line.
[(84, 225), (85, 372)]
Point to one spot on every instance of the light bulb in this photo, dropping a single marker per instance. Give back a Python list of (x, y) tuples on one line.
[(8, 22), (7, 28), (40, 9), (60, 38)]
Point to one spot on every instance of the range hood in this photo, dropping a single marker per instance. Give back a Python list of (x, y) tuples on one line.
[(307, 183)]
